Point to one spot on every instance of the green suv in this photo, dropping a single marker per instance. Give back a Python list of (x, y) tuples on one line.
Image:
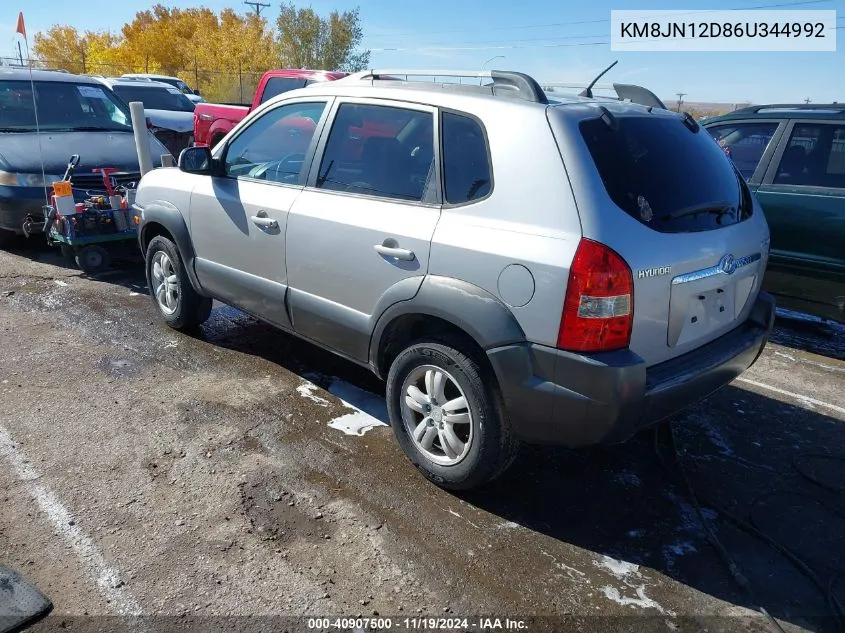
[(793, 158)]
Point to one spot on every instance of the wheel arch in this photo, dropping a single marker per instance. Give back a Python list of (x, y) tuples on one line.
[(164, 219), (443, 307)]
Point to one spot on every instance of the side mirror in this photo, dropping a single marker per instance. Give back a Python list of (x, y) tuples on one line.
[(197, 92), (195, 160)]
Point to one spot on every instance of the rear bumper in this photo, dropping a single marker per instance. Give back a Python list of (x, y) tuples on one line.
[(14, 211), (559, 397)]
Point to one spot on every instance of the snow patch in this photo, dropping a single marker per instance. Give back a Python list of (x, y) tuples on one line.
[(641, 600), (619, 568), (59, 282), (307, 391), (356, 423)]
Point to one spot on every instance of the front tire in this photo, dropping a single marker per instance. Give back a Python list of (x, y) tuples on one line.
[(177, 303), (448, 416)]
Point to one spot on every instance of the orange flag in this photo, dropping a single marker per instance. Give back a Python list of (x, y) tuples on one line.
[(21, 27)]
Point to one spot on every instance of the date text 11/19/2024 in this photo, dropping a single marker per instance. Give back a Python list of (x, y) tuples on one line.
[(353, 625)]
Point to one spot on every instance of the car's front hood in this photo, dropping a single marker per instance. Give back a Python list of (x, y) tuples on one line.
[(171, 120), (23, 153)]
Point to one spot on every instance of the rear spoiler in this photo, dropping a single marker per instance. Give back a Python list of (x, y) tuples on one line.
[(624, 92)]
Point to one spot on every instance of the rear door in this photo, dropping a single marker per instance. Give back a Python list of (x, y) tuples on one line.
[(803, 195), (358, 237)]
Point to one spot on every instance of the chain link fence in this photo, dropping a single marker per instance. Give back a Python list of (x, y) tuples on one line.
[(236, 86)]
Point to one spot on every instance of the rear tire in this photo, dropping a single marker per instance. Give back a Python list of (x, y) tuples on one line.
[(480, 445), (177, 303)]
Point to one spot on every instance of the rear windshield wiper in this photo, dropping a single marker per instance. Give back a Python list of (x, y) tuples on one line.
[(717, 208)]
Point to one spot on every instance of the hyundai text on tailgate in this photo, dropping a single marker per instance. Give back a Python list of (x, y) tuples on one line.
[(569, 279)]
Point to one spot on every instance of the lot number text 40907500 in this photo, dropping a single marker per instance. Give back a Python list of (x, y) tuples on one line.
[(416, 624)]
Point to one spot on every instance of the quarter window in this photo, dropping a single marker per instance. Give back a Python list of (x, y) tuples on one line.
[(466, 165), (273, 147), (379, 150), (745, 143), (815, 157)]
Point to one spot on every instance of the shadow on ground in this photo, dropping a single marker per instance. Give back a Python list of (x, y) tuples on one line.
[(759, 471), (746, 455), (126, 269)]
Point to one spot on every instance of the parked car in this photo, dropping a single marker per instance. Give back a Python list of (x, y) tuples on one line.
[(571, 284), (170, 113), (793, 158), (191, 93), (213, 121), (76, 115)]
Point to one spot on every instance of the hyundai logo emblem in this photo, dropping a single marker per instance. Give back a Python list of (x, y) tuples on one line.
[(727, 264)]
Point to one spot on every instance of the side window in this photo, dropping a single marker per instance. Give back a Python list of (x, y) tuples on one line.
[(277, 85), (745, 143), (815, 156), (466, 166), (379, 150), (273, 147), (836, 164)]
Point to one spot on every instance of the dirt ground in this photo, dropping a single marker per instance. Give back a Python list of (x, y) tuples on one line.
[(152, 481)]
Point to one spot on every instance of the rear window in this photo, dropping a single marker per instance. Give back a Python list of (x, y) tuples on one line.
[(156, 98), (669, 178), (278, 85)]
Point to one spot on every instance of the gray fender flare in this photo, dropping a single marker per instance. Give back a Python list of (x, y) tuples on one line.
[(168, 216), (471, 308)]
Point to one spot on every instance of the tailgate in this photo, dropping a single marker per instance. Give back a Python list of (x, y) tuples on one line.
[(705, 301), (659, 191)]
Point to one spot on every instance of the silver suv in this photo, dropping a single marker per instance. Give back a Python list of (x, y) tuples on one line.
[(515, 268)]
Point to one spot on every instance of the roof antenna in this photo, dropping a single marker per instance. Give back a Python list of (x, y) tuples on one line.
[(588, 91)]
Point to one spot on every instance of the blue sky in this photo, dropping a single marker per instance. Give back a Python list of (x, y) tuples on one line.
[(538, 37)]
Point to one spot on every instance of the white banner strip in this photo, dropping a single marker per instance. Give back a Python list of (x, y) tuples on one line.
[(676, 31)]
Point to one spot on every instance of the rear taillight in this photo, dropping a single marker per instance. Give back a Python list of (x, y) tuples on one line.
[(599, 307)]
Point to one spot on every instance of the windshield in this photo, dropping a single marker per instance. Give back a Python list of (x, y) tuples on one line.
[(156, 97), (665, 175), (178, 83), (61, 106)]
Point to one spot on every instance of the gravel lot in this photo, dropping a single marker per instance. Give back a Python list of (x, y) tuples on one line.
[(152, 481)]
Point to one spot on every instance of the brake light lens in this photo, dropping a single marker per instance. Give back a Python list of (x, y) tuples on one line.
[(598, 311)]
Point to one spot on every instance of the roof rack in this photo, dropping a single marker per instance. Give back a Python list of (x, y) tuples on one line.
[(504, 82), (624, 92), (839, 107)]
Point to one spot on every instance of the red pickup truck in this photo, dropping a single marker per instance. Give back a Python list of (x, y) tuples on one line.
[(213, 121)]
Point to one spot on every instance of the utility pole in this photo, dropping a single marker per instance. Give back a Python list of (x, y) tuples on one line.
[(681, 96), (807, 100), (256, 5)]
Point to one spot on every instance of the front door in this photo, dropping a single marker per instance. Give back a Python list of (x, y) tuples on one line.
[(238, 218), (359, 235), (803, 196)]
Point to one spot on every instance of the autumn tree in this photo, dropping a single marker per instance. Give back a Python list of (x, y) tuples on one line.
[(307, 40), (65, 47), (225, 54)]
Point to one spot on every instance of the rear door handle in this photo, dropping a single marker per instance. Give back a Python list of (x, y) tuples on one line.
[(265, 222), (395, 252)]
